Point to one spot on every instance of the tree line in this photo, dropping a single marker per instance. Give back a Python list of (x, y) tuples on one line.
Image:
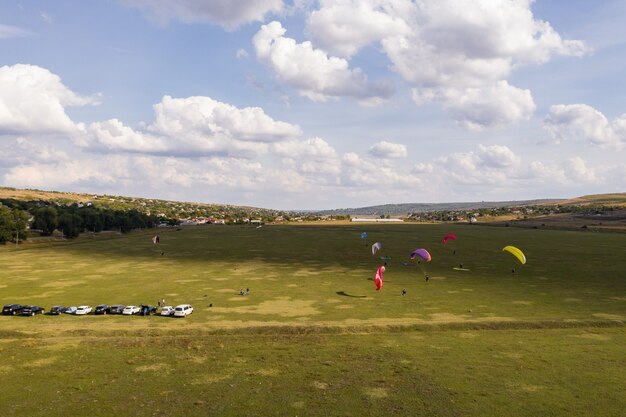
[(16, 217)]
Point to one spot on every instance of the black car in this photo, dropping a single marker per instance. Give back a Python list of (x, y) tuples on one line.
[(56, 310), (102, 309), (146, 310), (32, 310), (116, 309), (12, 309)]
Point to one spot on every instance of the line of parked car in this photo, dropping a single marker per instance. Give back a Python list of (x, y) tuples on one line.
[(182, 310)]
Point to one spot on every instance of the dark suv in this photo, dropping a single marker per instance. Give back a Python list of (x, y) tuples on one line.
[(116, 309), (57, 310), (146, 310), (12, 309), (32, 310), (102, 309)]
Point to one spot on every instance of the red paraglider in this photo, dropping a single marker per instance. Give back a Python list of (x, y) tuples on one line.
[(378, 278), (448, 237)]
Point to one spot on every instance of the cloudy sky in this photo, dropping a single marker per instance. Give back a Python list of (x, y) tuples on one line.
[(301, 104)]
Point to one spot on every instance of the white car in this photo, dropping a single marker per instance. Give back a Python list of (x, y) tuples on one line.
[(183, 310), (82, 310), (167, 311), (128, 310)]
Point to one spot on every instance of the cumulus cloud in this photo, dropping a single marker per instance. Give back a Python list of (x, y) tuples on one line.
[(388, 150), (494, 105), (20, 150), (192, 127), (311, 71), (227, 13), (343, 27), (576, 170), (458, 56), (584, 123), (496, 156), (313, 156), (489, 165), (366, 172), (33, 101)]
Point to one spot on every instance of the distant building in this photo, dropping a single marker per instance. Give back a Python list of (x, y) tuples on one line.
[(358, 219)]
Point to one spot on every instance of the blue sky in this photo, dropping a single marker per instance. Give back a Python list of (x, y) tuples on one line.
[(314, 104)]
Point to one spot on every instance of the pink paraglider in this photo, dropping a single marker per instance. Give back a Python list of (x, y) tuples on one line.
[(448, 237), (378, 278)]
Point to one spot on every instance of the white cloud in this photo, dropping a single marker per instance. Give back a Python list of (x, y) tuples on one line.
[(580, 122), (33, 101), (21, 150), (494, 105), (489, 165), (577, 171), (343, 27), (311, 71), (7, 31), (390, 150), (497, 156), (313, 156), (422, 168), (227, 13), (447, 52), (193, 127)]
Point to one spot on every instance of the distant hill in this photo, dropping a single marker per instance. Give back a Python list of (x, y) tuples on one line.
[(615, 199), (405, 208), (166, 208)]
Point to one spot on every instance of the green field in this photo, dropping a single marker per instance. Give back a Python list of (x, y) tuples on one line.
[(314, 337)]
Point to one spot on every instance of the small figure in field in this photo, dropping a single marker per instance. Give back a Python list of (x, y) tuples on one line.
[(241, 291), (159, 303), (513, 271), (403, 292), (427, 277), (247, 291), (454, 252), (163, 301)]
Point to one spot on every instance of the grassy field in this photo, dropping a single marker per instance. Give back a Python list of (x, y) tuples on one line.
[(313, 337)]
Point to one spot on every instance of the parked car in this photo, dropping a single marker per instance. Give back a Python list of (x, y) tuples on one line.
[(183, 310), (128, 310), (70, 310), (32, 310), (11, 309), (82, 310), (102, 309), (167, 311), (56, 310), (116, 309), (146, 310)]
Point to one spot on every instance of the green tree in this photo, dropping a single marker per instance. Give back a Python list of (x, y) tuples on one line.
[(70, 224), (13, 224), (46, 220)]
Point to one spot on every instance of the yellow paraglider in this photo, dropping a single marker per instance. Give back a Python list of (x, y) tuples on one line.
[(515, 252)]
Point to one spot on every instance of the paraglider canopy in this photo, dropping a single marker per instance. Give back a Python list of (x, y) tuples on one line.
[(363, 235), (448, 237), (515, 252), (422, 253), (378, 278), (376, 247)]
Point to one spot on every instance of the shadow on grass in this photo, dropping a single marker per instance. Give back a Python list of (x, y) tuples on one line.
[(345, 294)]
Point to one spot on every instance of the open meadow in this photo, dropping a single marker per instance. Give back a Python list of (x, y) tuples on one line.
[(313, 337)]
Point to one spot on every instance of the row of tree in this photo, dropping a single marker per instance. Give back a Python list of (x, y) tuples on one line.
[(17, 216)]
